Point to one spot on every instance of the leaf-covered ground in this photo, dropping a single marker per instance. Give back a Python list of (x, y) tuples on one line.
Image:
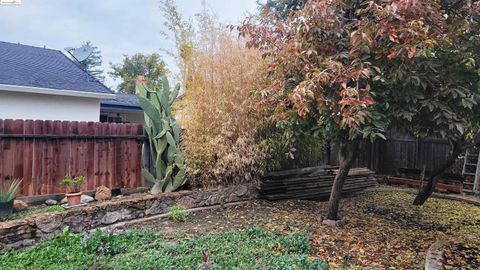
[(462, 251), (383, 231)]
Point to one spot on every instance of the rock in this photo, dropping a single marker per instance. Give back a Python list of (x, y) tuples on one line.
[(434, 259), (103, 193), (3, 247), (49, 224), (158, 207), (187, 201), (51, 202), (112, 217), (20, 244), (19, 205), (83, 200), (334, 223), (86, 199), (241, 191), (341, 222)]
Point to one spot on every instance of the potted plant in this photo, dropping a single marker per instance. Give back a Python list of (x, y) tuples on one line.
[(73, 194), (7, 194)]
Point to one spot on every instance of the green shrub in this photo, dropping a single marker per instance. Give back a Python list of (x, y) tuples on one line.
[(253, 248), (178, 213), (292, 145), (73, 184), (8, 192)]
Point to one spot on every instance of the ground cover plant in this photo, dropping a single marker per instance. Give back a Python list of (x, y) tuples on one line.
[(33, 210), (178, 212), (259, 249)]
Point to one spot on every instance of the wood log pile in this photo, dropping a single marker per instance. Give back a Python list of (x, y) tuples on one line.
[(312, 183)]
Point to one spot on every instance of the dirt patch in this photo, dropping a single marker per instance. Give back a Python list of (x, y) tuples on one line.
[(252, 214)]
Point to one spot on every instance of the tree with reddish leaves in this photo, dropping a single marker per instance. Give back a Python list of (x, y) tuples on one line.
[(437, 93), (357, 67)]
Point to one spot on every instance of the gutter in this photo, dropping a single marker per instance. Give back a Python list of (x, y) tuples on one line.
[(57, 92), (117, 107)]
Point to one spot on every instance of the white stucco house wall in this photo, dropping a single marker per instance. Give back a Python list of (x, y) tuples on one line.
[(44, 84)]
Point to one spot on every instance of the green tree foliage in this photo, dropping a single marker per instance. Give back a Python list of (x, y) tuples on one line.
[(283, 7), (343, 63), (150, 66), (94, 62), (164, 136), (439, 83)]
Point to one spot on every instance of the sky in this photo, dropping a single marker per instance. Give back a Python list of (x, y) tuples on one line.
[(116, 27)]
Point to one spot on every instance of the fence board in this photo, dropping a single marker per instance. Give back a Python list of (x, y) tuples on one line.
[(43, 152), (400, 151)]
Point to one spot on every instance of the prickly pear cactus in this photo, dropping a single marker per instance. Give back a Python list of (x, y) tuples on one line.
[(164, 137)]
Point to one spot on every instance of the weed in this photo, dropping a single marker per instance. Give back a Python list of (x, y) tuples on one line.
[(178, 213)]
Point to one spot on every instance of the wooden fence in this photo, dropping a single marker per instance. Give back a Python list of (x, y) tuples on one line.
[(43, 152), (402, 151)]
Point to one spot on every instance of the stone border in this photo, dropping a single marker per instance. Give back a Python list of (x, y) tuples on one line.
[(16, 234), (453, 197), (434, 258)]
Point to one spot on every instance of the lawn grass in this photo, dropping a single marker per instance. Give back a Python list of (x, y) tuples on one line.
[(253, 248)]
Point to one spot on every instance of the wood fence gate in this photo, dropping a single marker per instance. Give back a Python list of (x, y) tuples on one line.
[(43, 152)]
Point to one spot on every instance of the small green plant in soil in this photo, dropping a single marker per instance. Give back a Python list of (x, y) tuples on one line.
[(178, 213), (34, 211), (73, 185), (252, 248)]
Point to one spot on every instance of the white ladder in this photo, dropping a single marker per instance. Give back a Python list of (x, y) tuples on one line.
[(471, 167)]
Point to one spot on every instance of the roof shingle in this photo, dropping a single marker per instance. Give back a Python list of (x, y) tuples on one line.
[(24, 65), (123, 99)]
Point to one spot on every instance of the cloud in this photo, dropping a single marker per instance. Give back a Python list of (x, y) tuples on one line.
[(117, 27)]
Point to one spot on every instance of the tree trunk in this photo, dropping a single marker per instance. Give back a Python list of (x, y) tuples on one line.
[(346, 155), (427, 190)]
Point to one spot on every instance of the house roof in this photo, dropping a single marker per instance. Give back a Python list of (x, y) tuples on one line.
[(45, 69), (122, 101)]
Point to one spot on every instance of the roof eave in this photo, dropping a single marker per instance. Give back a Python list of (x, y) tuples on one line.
[(118, 107), (57, 92)]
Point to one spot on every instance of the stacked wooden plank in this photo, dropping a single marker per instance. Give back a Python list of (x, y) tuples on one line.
[(312, 183), (440, 187)]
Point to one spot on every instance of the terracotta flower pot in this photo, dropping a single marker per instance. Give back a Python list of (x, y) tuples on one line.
[(74, 198), (6, 208)]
